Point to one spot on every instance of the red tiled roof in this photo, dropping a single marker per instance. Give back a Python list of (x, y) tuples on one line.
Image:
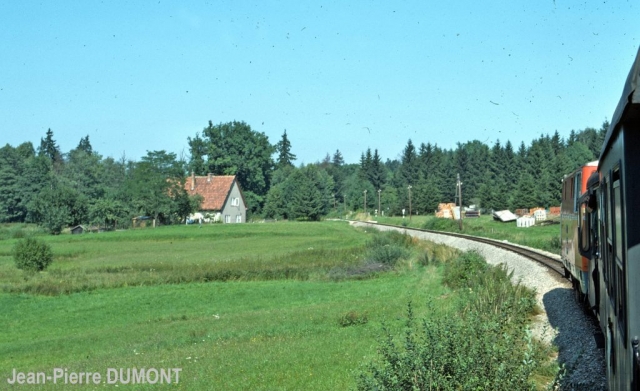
[(214, 189)]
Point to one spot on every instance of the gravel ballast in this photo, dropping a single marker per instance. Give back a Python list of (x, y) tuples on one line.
[(563, 322)]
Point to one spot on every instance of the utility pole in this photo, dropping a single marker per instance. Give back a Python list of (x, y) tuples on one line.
[(379, 210), (409, 188), (344, 197), (365, 202), (459, 197)]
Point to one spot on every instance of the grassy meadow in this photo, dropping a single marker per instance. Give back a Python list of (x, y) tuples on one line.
[(284, 306)]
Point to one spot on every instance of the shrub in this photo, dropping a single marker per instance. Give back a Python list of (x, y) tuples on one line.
[(451, 354), (353, 318), (437, 224), (388, 247), (391, 237), (32, 255), (388, 254), (460, 272)]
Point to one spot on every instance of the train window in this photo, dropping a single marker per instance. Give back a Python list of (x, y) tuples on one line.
[(619, 254), (604, 233), (584, 220), (576, 193), (618, 220)]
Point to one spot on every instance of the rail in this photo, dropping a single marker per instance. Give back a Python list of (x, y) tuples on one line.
[(545, 260)]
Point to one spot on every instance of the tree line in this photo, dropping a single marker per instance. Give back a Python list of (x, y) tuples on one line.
[(56, 189)]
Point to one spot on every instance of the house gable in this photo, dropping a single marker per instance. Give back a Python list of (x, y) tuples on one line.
[(220, 194)]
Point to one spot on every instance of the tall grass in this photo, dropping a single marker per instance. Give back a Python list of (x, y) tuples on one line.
[(297, 265), (178, 255), (20, 230)]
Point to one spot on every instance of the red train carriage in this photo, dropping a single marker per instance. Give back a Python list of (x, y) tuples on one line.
[(572, 216)]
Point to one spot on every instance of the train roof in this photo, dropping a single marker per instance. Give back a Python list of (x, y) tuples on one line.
[(629, 105)]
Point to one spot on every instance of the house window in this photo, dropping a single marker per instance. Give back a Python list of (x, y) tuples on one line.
[(238, 218), (235, 202), (227, 218)]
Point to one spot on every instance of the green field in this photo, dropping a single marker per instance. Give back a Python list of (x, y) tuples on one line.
[(237, 307), (544, 237)]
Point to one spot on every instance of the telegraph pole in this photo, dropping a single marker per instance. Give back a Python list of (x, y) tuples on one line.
[(344, 197), (365, 202), (459, 197), (379, 210), (409, 188)]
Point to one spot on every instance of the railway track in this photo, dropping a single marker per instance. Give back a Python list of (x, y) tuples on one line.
[(551, 263)]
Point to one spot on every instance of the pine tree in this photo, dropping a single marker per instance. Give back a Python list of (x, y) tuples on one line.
[(509, 168), (84, 145), (49, 148), (557, 143), (524, 195), (409, 168), (426, 196), (285, 157), (337, 158), (365, 164), (276, 205), (376, 171), (306, 200)]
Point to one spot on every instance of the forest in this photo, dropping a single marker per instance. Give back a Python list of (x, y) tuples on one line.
[(56, 189)]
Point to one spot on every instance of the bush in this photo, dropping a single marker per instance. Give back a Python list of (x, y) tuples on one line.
[(353, 318), (32, 255), (388, 247), (437, 224), (388, 254), (452, 354), (462, 270)]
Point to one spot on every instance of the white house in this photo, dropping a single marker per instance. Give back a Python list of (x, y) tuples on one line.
[(222, 198)]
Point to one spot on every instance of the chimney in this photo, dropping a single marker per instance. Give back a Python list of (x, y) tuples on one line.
[(193, 180), (209, 178)]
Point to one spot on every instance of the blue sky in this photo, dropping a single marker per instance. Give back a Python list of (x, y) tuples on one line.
[(347, 75)]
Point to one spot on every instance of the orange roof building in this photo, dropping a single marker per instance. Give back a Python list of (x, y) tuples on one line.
[(222, 198)]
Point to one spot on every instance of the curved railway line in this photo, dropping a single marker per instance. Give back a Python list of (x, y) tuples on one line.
[(549, 262)]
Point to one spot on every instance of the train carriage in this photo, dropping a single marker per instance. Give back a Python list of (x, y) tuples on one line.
[(610, 238), (576, 266)]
